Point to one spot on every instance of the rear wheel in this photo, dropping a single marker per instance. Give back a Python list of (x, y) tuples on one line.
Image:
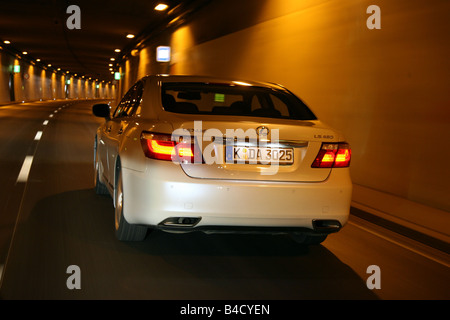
[(124, 230), (308, 239)]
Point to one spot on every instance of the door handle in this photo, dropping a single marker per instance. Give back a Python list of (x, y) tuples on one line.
[(120, 131)]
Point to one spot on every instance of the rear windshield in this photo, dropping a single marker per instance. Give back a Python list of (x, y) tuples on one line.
[(235, 100)]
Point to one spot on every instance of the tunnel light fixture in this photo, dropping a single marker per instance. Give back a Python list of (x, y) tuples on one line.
[(116, 50), (112, 59), (38, 60), (24, 52), (161, 7), (7, 42), (177, 19), (130, 36), (49, 65)]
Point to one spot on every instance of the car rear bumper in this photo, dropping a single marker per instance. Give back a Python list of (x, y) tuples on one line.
[(162, 195)]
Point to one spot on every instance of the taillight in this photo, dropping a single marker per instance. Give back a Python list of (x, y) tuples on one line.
[(333, 155), (171, 148)]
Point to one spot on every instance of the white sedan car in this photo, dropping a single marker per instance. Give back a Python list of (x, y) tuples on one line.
[(187, 153)]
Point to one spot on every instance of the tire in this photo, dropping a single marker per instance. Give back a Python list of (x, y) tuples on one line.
[(125, 231), (308, 239)]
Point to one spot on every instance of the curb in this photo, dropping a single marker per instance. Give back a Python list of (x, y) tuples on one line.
[(407, 232)]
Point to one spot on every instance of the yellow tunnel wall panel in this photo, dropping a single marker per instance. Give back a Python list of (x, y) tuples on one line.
[(34, 83)]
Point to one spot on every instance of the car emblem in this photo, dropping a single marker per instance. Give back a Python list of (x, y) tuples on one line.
[(262, 131)]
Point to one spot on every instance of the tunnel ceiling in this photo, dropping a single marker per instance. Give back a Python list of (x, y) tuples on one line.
[(39, 28)]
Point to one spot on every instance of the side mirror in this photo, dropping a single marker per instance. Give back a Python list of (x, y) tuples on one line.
[(101, 110)]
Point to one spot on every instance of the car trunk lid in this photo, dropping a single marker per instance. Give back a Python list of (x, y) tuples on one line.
[(273, 150)]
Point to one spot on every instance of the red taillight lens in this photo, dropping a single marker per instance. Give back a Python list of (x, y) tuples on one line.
[(343, 156), (163, 147), (333, 155)]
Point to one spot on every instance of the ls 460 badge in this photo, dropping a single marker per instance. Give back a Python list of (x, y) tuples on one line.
[(325, 136)]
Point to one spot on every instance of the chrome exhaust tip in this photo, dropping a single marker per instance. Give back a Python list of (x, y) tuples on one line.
[(181, 221), (326, 226)]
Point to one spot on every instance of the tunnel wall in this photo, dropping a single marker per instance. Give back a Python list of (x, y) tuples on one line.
[(35, 83), (6, 61), (385, 89)]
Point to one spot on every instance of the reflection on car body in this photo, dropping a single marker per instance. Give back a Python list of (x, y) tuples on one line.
[(188, 153)]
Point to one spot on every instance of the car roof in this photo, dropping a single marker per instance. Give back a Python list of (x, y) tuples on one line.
[(212, 79)]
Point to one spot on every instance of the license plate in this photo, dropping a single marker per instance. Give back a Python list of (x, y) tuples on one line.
[(256, 155)]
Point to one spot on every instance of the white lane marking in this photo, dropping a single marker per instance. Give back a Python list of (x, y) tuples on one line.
[(38, 135), (45, 122), (25, 170), (402, 245)]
